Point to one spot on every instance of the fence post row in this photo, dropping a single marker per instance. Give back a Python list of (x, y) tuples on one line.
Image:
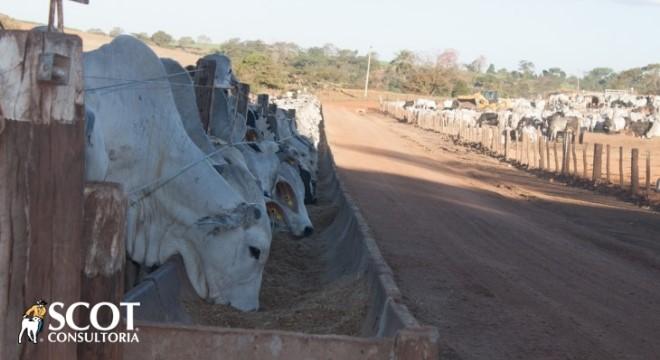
[(490, 139)]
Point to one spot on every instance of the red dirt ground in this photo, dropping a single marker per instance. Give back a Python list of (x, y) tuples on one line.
[(507, 265)]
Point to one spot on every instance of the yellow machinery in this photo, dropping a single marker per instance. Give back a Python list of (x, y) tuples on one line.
[(483, 101)]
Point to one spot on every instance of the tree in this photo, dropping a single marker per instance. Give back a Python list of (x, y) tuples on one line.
[(116, 31), (403, 62), (142, 36), (448, 59), (491, 69), (162, 38), (599, 78), (478, 65), (186, 41), (554, 72), (460, 88), (260, 72), (96, 31), (526, 68), (203, 39)]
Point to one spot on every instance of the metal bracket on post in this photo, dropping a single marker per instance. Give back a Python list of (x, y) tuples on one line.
[(54, 69)]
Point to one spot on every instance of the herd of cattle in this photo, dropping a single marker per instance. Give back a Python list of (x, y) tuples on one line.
[(558, 114), (213, 194)]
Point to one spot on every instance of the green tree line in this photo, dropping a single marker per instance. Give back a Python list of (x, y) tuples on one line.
[(286, 65)]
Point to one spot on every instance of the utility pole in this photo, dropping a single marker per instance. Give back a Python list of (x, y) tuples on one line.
[(366, 81)]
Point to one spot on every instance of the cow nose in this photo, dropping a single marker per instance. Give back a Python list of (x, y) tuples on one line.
[(308, 231), (255, 252)]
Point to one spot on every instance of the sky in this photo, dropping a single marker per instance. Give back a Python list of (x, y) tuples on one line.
[(575, 35)]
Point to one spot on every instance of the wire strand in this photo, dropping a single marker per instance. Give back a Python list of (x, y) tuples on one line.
[(146, 190)]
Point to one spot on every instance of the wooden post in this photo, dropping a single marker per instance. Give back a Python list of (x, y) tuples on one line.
[(534, 147), (621, 166), (541, 153), (492, 139), (648, 173), (243, 96), (585, 161), (204, 87), (506, 145), (103, 258), (607, 163), (518, 152), (598, 162), (272, 109), (556, 158), (634, 172), (576, 173), (42, 146), (564, 153), (262, 102), (547, 153), (526, 147)]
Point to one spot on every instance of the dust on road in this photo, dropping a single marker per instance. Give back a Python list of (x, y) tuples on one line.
[(506, 265)]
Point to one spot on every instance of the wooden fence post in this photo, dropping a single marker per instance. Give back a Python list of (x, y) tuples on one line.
[(585, 161), (519, 141), (204, 87), (104, 255), (648, 173), (576, 173), (506, 146), (598, 162), (556, 158), (535, 149), (42, 145), (607, 162), (243, 95), (547, 153), (541, 153), (492, 139), (262, 102), (634, 172), (621, 166), (526, 141), (564, 152)]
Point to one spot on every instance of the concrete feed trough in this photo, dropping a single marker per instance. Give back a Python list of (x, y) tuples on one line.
[(347, 251)]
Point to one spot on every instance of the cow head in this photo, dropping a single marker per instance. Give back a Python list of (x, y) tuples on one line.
[(224, 75), (289, 194), (232, 252)]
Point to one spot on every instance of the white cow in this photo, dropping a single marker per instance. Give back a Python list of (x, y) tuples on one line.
[(654, 131), (29, 324), (223, 238)]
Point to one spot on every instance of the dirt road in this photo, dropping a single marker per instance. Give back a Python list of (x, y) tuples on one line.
[(506, 265)]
